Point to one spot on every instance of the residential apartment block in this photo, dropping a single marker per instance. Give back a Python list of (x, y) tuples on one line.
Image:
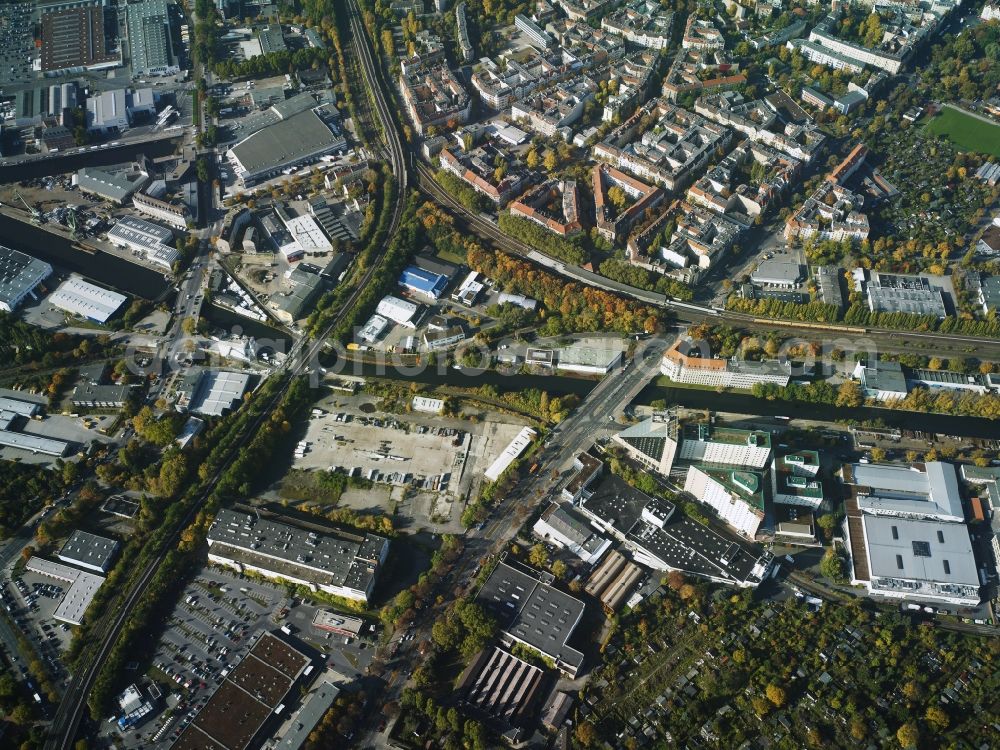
[(682, 364), (642, 22), (554, 205), (667, 150), (434, 97)]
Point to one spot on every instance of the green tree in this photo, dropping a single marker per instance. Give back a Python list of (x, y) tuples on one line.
[(831, 566)]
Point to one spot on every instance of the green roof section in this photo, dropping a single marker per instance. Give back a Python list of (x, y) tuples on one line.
[(747, 485)]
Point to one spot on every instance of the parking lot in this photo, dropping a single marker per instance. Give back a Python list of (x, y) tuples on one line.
[(16, 42), (29, 601), (213, 626)]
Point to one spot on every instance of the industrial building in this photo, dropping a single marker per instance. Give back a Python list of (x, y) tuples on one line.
[(399, 311), (590, 357), (148, 26), (659, 537), (12, 412), (92, 396), (316, 703), (211, 393), (502, 686), (293, 141), (116, 183), (423, 282), (612, 580), (534, 613), (144, 238), (89, 551), (20, 276), (74, 38), (344, 565), (510, 454), (115, 110), (906, 533), (82, 588), (254, 692), (78, 297), (562, 526), (881, 380)]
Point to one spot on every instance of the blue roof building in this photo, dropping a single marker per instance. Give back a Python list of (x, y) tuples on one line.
[(423, 282)]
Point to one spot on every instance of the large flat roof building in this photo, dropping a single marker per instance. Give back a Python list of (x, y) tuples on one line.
[(663, 539), (906, 533), (145, 238), (289, 143), (149, 38), (928, 490), (74, 38), (213, 392), (534, 613), (89, 551), (115, 183), (86, 300), (343, 565), (20, 276)]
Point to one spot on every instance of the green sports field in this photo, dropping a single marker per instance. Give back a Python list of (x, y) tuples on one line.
[(966, 132)]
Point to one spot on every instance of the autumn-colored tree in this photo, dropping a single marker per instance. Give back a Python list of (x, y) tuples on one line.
[(585, 733), (937, 717), (776, 694), (908, 735)]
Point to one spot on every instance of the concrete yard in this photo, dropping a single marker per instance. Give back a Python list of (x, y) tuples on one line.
[(451, 454)]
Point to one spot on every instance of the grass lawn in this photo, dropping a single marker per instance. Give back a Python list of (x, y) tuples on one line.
[(966, 132), (450, 257)]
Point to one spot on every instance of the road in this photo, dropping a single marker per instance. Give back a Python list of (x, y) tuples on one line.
[(300, 359), (575, 434)]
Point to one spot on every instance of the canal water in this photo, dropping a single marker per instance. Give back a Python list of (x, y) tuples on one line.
[(740, 403), (736, 403), (233, 324), (102, 157), (101, 267)]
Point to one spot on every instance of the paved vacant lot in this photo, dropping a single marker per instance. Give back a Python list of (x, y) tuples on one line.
[(443, 458)]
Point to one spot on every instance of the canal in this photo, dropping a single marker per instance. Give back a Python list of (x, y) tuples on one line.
[(269, 337), (735, 403), (100, 267), (741, 403), (101, 157)]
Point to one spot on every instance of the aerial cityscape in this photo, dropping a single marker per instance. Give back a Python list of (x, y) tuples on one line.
[(474, 374)]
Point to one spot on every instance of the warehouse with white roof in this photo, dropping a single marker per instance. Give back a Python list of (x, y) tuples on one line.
[(906, 533), (399, 311), (82, 588), (79, 297), (510, 454), (20, 275), (145, 238)]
